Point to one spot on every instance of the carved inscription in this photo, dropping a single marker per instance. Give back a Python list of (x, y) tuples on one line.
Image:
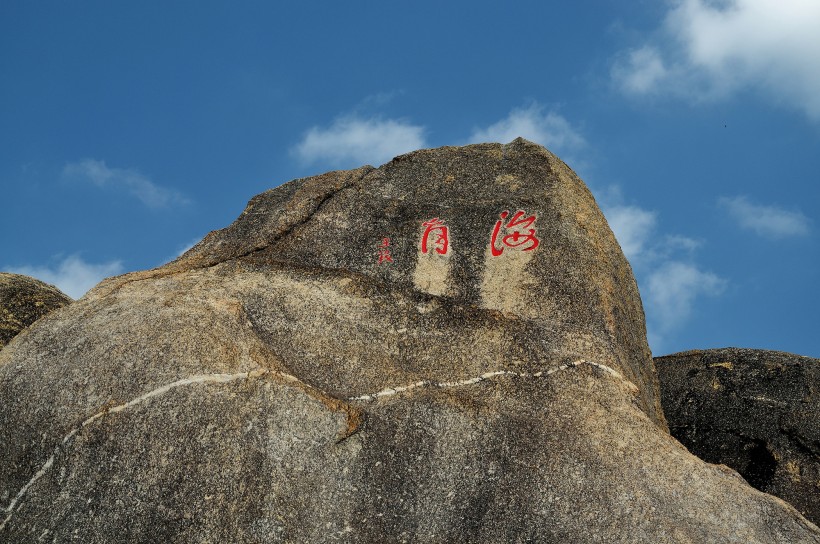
[(438, 231), (515, 233), (520, 236), (384, 252)]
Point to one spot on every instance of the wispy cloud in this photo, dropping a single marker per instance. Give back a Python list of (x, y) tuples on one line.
[(632, 227), (136, 184), (640, 71), (707, 49), (767, 221), (355, 139), (671, 282), (672, 289), (535, 124), (72, 275), (359, 138)]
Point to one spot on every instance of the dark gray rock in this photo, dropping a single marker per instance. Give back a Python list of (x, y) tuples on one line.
[(277, 383), (24, 300), (756, 411)]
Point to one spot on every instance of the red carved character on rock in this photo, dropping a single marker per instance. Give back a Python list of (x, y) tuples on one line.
[(436, 228), (521, 235), (384, 251)]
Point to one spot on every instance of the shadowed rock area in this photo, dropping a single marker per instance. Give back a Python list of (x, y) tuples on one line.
[(24, 300), (756, 411), (448, 348)]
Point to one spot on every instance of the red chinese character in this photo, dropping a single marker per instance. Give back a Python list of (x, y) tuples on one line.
[(518, 238), (384, 251), (442, 240)]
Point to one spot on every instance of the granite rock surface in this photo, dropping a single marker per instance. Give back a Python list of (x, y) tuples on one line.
[(756, 411), (24, 300), (448, 348)]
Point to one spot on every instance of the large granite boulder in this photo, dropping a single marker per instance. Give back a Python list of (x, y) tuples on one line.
[(24, 300), (449, 348), (754, 410)]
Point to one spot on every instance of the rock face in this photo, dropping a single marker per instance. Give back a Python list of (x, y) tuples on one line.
[(756, 411), (24, 300), (449, 348)]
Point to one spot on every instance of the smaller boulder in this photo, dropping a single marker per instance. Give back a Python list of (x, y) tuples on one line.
[(756, 411), (24, 300)]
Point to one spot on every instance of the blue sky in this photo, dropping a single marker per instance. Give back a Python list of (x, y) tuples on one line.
[(130, 130)]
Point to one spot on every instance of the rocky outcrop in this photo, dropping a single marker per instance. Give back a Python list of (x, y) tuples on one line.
[(449, 348), (24, 300), (756, 411)]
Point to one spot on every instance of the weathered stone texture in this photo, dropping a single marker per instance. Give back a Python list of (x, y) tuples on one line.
[(756, 411), (277, 384), (24, 300)]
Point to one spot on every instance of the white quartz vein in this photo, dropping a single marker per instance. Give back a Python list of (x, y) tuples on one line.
[(202, 378), (226, 378), (390, 391)]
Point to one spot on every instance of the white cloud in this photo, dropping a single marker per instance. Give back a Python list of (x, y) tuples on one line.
[(707, 49), (768, 221), (671, 290), (353, 139), (136, 184), (632, 227), (641, 71), (677, 242), (73, 276), (356, 138), (548, 129), (670, 283)]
